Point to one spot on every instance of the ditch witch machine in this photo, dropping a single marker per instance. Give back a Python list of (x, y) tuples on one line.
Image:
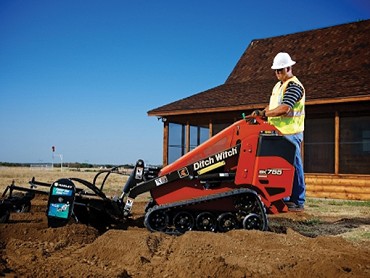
[(229, 182)]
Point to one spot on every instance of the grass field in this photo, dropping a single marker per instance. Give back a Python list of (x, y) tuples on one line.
[(22, 175)]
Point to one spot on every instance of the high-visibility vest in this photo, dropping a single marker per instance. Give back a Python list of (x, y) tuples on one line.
[(293, 122)]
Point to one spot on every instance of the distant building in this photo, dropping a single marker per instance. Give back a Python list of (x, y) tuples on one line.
[(334, 65)]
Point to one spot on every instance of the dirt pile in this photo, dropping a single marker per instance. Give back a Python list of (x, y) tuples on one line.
[(28, 248)]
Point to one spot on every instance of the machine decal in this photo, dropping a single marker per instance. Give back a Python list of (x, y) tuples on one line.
[(212, 167), (58, 184), (215, 158), (139, 173), (61, 202), (62, 191), (183, 173), (60, 210), (129, 204), (267, 172), (161, 180)]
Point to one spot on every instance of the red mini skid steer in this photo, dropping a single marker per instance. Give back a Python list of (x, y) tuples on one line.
[(231, 181)]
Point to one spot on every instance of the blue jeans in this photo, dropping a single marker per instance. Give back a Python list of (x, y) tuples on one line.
[(299, 187)]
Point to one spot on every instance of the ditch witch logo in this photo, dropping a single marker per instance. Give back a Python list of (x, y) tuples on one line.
[(214, 160)]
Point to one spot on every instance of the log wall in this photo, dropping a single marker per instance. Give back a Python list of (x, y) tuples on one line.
[(338, 187)]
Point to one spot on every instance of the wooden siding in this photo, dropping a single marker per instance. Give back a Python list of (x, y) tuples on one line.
[(349, 187)]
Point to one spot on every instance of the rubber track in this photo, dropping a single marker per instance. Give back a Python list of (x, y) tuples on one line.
[(185, 203)]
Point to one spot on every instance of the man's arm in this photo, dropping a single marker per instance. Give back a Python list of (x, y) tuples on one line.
[(281, 110), (292, 95)]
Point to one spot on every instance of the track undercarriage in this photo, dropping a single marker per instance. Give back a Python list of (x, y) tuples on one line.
[(241, 208)]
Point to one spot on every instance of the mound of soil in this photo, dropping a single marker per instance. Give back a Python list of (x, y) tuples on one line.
[(295, 246)]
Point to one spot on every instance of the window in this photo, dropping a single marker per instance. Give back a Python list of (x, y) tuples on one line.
[(198, 135), (354, 145), (319, 145), (366, 140), (176, 141)]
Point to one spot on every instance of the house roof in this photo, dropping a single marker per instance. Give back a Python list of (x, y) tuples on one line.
[(333, 64)]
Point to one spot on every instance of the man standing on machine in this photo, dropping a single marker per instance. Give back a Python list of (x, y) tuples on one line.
[(286, 111)]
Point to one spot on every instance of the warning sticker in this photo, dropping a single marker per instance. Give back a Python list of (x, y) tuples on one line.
[(161, 180), (183, 173)]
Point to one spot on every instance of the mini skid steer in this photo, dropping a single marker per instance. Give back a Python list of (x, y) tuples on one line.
[(231, 181)]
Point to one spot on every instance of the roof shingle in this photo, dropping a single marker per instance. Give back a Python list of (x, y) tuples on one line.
[(332, 63)]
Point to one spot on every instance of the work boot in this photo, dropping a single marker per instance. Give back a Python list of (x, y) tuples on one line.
[(294, 207)]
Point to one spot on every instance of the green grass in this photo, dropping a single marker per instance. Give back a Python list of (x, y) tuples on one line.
[(366, 235), (313, 202), (312, 221), (359, 236), (352, 203)]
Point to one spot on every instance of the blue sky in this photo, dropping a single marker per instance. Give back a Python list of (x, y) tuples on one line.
[(81, 75)]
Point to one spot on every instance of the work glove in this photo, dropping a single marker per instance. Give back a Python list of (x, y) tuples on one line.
[(259, 113)]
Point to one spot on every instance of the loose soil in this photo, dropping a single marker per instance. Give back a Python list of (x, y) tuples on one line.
[(297, 245), (326, 240)]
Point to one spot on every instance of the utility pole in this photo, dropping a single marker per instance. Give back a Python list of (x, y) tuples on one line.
[(60, 156)]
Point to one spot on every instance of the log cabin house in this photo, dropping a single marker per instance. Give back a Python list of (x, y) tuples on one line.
[(333, 64)]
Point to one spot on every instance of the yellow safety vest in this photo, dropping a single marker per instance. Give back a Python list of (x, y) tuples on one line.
[(293, 122)]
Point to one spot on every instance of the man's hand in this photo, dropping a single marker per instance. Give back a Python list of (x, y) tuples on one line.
[(258, 113)]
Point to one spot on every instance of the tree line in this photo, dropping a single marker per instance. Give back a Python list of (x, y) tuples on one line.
[(70, 165)]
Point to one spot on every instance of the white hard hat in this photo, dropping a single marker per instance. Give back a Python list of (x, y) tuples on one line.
[(282, 60)]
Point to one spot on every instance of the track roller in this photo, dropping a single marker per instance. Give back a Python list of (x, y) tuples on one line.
[(157, 220), (226, 222), (206, 221), (183, 221), (252, 222)]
